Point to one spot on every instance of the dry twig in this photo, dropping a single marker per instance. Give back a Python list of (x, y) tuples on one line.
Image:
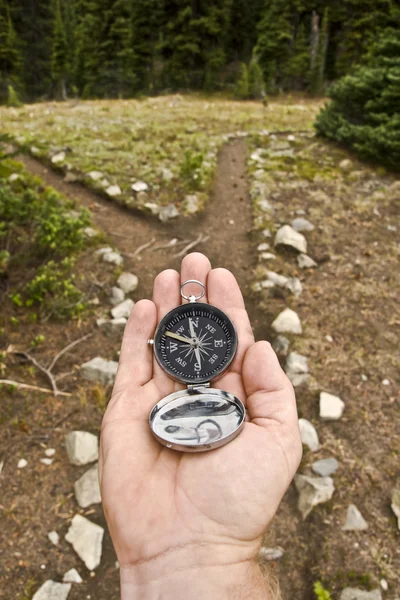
[(26, 386), (198, 240), (141, 248)]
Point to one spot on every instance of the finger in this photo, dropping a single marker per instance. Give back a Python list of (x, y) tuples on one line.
[(195, 266), (269, 391), (224, 293)]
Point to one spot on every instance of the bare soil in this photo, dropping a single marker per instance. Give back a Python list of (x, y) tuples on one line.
[(352, 296)]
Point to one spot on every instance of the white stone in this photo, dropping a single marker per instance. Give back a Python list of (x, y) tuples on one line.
[(102, 251), (268, 256), (309, 435), (192, 204), (13, 177), (116, 295), (168, 212), (263, 247), (298, 363), (313, 491), (287, 322), (294, 286), (167, 174), (264, 205), (279, 280), (301, 224), (113, 190), (112, 324), (291, 138), (267, 284), (87, 489), (325, 467), (99, 370), (51, 590), (123, 309), (140, 186), (95, 175), (386, 382), (306, 262), (82, 447), (152, 207), (50, 452), (46, 461), (22, 463), (128, 282), (355, 594), (345, 164), (396, 505), (271, 554), (53, 537), (329, 339), (35, 150), (287, 236), (114, 258), (354, 520), (86, 539), (90, 232), (72, 576), (57, 158), (281, 345), (330, 407), (384, 585), (266, 233)]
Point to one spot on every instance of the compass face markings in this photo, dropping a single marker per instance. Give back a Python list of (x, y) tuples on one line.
[(206, 346)]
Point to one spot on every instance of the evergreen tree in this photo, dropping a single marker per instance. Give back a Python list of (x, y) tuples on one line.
[(59, 56), (256, 80), (364, 111), (242, 86), (10, 57), (148, 32), (318, 70)]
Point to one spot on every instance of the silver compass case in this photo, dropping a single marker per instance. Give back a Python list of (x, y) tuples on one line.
[(197, 418)]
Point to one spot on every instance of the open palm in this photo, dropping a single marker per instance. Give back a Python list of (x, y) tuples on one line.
[(211, 505)]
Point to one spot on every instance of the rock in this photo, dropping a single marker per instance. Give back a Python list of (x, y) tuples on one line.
[(51, 590), (306, 262), (297, 369), (263, 247), (140, 186), (58, 158), (287, 236), (396, 505), (123, 310), (152, 207), (71, 178), (90, 232), (99, 370), (279, 280), (53, 537), (267, 284), (313, 491), (355, 594), (168, 212), (103, 251), (309, 435), (268, 256), (167, 174), (86, 539), (34, 150), (256, 287), (281, 345), (291, 138), (330, 407), (13, 177), (87, 490), (114, 258), (192, 205), (325, 467), (116, 295), (287, 322), (112, 325), (264, 205), (72, 576), (113, 190), (354, 520), (82, 447), (266, 233), (128, 282), (95, 175), (345, 164), (301, 224), (270, 554), (22, 463), (294, 285), (46, 461)]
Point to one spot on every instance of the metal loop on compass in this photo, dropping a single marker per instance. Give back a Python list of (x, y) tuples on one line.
[(192, 297)]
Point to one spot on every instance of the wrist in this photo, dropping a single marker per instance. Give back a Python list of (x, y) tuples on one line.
[(195, 574)]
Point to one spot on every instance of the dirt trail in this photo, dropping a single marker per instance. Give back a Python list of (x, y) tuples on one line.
[(227, 221)]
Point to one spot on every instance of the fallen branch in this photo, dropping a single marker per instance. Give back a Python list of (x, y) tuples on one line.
[(26, 386), (68, 347), (198, 240), (141, 248), (48, 373)]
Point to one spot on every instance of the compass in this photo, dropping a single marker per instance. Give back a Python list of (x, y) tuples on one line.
[(194, 344)]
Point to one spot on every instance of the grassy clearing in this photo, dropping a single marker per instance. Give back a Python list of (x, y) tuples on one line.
[(170, 143)]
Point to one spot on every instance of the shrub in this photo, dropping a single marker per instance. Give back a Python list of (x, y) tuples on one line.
[(13, 98), (320, 592), (256, 81), (364, 113), (242, 86)]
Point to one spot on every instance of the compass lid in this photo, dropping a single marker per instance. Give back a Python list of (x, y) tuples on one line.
[(197, 419)]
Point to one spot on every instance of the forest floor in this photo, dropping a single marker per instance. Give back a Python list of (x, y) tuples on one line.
[(348, 308)]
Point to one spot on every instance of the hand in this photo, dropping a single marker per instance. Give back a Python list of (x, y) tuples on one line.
[(190, 525)]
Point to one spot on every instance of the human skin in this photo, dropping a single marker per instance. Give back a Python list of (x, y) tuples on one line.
[(189, 526)]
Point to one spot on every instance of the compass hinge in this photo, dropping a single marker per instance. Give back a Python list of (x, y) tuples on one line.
[(198, 386)]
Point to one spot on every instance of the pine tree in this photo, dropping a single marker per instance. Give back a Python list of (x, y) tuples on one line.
[(256, 80), (318, 68), (148, 34), (59, 56), (10, 57), (242, 86)]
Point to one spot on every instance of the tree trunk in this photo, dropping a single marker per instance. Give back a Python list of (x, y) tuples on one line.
[(314, 39)]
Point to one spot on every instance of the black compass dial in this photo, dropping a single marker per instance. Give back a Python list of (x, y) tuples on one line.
[(195, 343)]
